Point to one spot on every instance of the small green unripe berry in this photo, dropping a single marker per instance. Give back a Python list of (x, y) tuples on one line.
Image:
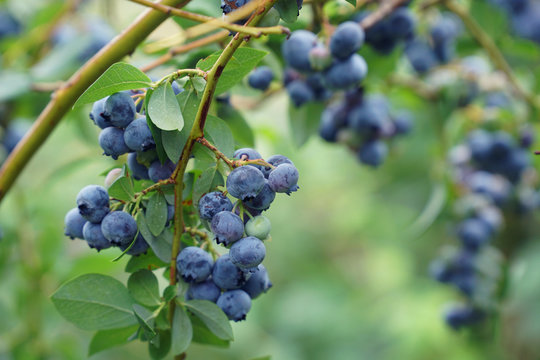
[(259, 227), (270, 19)]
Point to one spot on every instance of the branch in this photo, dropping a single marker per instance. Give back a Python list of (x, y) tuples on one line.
[(63, 99), (485, 41), (214, 22), (382, 11)]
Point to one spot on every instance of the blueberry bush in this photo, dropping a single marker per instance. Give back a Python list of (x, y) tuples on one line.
[(402, 134)]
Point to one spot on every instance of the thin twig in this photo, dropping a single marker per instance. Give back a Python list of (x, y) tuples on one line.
[(382, 11)]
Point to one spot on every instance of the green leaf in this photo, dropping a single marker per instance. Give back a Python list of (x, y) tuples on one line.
[(173, 143), (106, 339), (164, 109), (352, 2), (243, 61), (95, 302), (288, 10), (198, 83), (122, 189), (202, 335), (143, 287), (144, 261), (203, 183), (156, 213), (146, 321), (161, 248), (160, 348), (491, 19), (182, 331), (170, 292), (120, 76), (13, 84), (304, 121), (213, 317), (220, 134), (240, 129)]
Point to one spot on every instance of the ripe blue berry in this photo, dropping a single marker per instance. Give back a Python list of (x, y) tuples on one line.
[(420, 56), (119, 227), (283, 178), (263, 199), (460, 316), (194, 264), (119, 109), (158, 171), (247, 252), (9, 26), (97, 114), (235, 304), (403, 123), (320, 58), (296, 49), (333, 118), (139, 247), (346, 73), (247, 154), (74, 223), (346, 40), (258, 227), (227, 227), (93, 203), (260, 78), (138, 136), (138, 170), (112, 142), (258, 283), (275, 160), (474, 233), (228, 276), (93, 235), (373, 153), (245, 182), (205, 290), (369, 120), (300, 92), (213, 203)]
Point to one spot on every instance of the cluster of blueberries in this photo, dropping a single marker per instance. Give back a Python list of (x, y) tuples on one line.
[(124, 131), (237, 277), (93, 221), (362, 123), (489, 169), (524, 17)]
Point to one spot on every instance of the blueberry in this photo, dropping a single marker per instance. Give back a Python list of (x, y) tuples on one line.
[(97, 114), (460, 316), (479, 142), (290, 75), (403, 123), (119, 228), (212, 203), (502, 145), (93, 235), (74, 223), (247, 252), (228, 276), (258, 283), (317, 85), (227, 227), (138, 136), (9, 26), (300, 92), (346, 39), (246, 210), (494, 187), (194, 264), (235, 304), (369, 120), (320, 57), (119, 109), (346, 73), (176, 88), (248, 154), (401, 23), (205, 290), (138, 170), (264, 198), (158, 171), (112, 142), (333, 118), (93, 203), (260, 78), (440, 271), (420, 56), (14, 133), (258, 227), (112, 176), (373, 153), (496, 99), (245, 182), (170, 213), (275, 160), (283, 178), (445, 29), (296, 49), (139, 247), (492, 217), (474, 233)]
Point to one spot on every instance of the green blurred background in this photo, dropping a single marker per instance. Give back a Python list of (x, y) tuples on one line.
[(349, 273)]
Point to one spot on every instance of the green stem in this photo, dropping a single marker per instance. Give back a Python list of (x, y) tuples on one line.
[(63, 99), (180, 73)]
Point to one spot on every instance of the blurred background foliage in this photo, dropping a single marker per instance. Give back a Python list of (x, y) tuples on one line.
[(349, 271)]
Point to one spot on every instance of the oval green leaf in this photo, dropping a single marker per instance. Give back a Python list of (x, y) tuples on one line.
[(164, 109)]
